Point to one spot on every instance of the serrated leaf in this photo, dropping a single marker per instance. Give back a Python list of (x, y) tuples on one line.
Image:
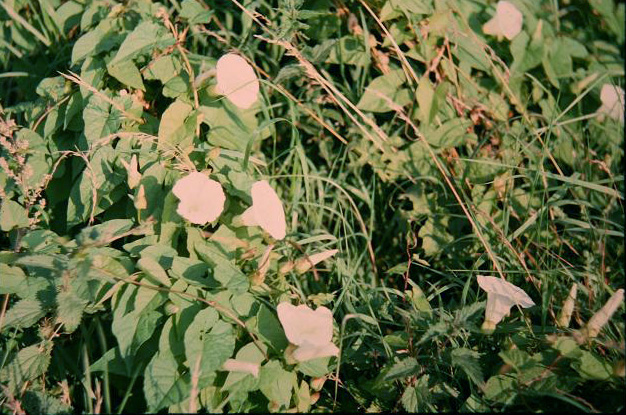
[(402, 369), (70, 310), (29, 363), (468, 361), (22, 314)]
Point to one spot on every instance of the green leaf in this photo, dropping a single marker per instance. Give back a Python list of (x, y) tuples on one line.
[(29, 363), (402, 369), (12, 215), (568, 347), (451, 133), (194, 12), (94, 41), (51, 88), (349, 50), (13, 279), (276, 383), (70, 310), (177, 125), (163, 69), (425, 96), (153, 271), (412, 7), (468, 361), (100, 177), (163, 384), (224, 270), (23, 314), (270, 329), (415, 398), (230, 128), (209, 342), (591, 367), (144, 38), (500, 388), (383, 91), (127, 73), (135, 314), (410, 400), (434, 235), (101, 119), (240, 381)]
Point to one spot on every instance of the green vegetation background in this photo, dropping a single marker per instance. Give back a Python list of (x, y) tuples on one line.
[(395, 131)]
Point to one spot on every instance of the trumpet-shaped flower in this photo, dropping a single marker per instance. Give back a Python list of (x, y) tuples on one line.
[(201, 199), (602, 316), (266, 210), (501, 296), (237, 81), (507, 22), (612, 98), (303, 264), (310, 330)]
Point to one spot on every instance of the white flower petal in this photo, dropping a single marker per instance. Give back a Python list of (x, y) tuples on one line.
[(612, 98), (507, 21), (236, 79), (303, 325), (304, 264), (311, 351), (232, 365), (268, 210), (501, 296), (201, 199), (602, 316)]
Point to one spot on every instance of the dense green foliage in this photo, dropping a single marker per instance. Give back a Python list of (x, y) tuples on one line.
[(395, 131)]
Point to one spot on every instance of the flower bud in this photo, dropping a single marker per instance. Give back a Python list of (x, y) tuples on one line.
[(568, 307)]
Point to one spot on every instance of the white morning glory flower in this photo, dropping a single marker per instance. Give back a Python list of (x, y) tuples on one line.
[(266, 210), (507, 22), (612, 98), (602, 316), (311, 331), (501, 296), (237, 81), (303, 264), (201, 199)]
